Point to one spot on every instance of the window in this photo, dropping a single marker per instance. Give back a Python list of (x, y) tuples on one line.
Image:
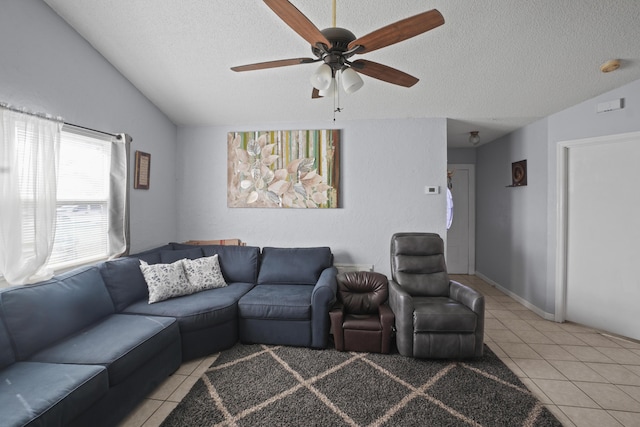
[(91, 209), (63, 195), (82, 202)]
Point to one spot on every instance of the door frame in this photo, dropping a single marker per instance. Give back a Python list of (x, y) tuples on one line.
[(562, 196), (472, 212)]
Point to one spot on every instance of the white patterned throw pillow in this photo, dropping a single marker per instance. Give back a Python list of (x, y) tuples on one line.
[(165, 280), (204, 273)]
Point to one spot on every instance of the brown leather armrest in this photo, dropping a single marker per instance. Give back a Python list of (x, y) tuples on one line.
[(336, 315)]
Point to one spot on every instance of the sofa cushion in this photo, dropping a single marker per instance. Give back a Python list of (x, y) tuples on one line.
[(165, 281), (362, 292), (152, 256), (238, 263), (185, 246), (6, 349), (294, 265), (167, 247), (290, 302), (124, 281), (168, 257), (149, 258), (198, 311), (39, 315), (440, 314), (49, 394), (121, 342), (204, 273)]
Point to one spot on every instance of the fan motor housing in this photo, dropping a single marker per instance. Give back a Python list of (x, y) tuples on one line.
[(339, 38), (334, 55)]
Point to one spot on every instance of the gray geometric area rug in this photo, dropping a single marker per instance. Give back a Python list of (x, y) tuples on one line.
[(260, 385)]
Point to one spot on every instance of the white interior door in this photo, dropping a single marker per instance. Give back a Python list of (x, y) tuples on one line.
[(603, 235), (460, 256)]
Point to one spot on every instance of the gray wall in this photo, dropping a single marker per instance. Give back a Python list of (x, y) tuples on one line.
[(516, 227), (511, 238), (461, 155), (47, 67), (582, 121), (385, 165)]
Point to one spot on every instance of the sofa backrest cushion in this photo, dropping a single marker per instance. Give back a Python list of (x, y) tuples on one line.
[(362, 292), (168, 257), (6, 349), (38, 315), (299, 266), (182, 246), (149, 258), (152, 256), (238, 263), (167, 247), (124, 281)]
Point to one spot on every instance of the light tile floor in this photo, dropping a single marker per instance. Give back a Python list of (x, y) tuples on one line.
[(585, 377)]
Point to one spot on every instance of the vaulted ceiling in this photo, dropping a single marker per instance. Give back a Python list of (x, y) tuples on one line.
[(494, 66)]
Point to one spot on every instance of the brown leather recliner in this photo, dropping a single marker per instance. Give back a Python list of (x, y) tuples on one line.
[(361, 320)]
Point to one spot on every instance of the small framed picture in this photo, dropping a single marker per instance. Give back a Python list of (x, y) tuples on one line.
[(142, 171), (519, 173)]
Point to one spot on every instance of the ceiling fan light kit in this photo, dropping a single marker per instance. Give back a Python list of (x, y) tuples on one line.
[(322, 78), (335, 46), (329, 92), (351, 81)]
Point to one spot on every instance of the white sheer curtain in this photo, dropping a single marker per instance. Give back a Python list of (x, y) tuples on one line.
[(29, 152), (119, 196)]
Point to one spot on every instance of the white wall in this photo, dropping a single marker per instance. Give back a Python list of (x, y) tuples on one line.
[(385, 165), (47, 67)]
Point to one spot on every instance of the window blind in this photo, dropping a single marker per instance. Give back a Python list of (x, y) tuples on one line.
[(82, 211)]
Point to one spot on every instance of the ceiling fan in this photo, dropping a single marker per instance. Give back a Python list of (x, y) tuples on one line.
[(335, 46)]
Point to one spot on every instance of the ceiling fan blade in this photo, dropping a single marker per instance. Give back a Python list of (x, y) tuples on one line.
[(398, 31), (273, 64), (297, 21), (384, 73), (315, 94)]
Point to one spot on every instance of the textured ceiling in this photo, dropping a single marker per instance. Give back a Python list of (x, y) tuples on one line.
[(494, 66)]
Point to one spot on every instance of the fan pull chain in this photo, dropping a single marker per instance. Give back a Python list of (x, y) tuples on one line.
[(336, 96)]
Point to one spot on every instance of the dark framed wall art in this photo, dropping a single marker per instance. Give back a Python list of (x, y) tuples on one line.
[(142, 170)]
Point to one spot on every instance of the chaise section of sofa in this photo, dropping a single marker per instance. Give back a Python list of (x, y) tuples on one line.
[(70, 323), (45, 394), (291, 302), (208, 320)]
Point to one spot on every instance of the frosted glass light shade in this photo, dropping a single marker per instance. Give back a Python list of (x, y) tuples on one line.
[(328, 92), (322, 78), (351, 81), (474, 138)]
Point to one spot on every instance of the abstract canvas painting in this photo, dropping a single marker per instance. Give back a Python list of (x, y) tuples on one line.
[(283, 169)]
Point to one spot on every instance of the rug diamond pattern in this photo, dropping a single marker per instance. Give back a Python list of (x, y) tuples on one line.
[(260, 385)]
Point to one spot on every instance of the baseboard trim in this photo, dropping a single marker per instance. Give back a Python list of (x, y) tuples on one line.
[(535, 309)]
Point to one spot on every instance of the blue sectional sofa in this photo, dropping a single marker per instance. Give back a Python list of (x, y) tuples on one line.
[(85, 347)]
